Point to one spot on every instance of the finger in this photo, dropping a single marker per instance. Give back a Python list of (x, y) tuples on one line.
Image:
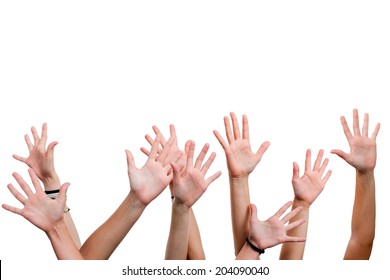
[(154, 151), (35, 180), (28, 142), (254, 218), (149, 139), (236, 126), (158, 133), (165, 151), (130, 161), (190, 155), (291, 214), (341, 154), (295, 239), (295, 171), (245, 127), (376, 130), (356, 128), (213, 177), (346, 130), (172, 132), (175, 159), (35, 135), (263, 148), (208, 163), (145, 151), (12, 209), (308, 160), (294, 224), (25, 187), (50, 149), (228, 130), (21, 198), (327, 176), (221, 141), (62, 195), (19, 158), (176, 171), (365, 125), (323, 167), (43, 135), (317, 163), (201, 156), (283, 209)]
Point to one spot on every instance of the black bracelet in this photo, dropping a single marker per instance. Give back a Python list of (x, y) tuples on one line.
[(260, 251), (52, 192)]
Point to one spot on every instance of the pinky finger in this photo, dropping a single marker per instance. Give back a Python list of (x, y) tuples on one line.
[(12, 209), (145, 151)]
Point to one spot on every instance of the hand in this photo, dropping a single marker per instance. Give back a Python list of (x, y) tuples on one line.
[(173, 150), (190, 184), (40, 210), (269, 233), (149, 181), (240, 159), (362, 153), (41, 159), (308, 187)]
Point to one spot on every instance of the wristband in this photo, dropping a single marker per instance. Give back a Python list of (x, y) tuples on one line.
[(260, 251), (52, 194), (66, 210)]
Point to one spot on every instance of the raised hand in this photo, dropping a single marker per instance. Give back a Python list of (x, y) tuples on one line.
[(41, 158), (39, 209), (269, 233), (190, 184), (362, 153), (150, 180), (308, 187), (241, 160)]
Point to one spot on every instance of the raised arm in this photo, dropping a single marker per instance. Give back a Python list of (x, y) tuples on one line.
[(269, 233), (45, 213), (188, 187), (195, 248), (241, 161), (146, 184), (306, 190), (362, 157), (41, 160)]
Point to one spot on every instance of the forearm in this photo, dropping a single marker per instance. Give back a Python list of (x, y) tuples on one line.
[(103, 242), (247, 253), (240, 202), (295, 250), (177, 245), (62, 243), (195, 247), (363, 218)]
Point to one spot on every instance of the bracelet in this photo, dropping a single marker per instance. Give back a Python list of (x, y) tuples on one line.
[(52, 194), (66, 210), (258, 250)]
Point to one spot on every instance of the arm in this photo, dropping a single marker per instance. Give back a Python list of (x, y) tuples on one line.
[(145, 185), (45, 213), (188, 187), (306, 190), (241, 161), (195, 248), (41, 160), (269, 233), (362, 157)]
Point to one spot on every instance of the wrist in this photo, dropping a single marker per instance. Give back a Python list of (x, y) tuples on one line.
[(299, 202), (135, 201), (56, 230), (180, 205), (51, 182), (239, 180)]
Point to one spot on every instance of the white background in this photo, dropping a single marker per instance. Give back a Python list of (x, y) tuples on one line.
[(101, 73)]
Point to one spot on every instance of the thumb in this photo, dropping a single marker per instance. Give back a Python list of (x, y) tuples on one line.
[(130, 160), (295, 170), (50, 148), (176, 171), (253, 213), (340, 153), (62, 195)]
